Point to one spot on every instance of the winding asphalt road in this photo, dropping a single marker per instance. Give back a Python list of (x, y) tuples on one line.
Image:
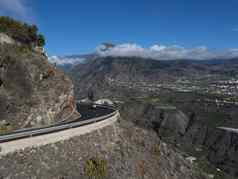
[(88, 113)]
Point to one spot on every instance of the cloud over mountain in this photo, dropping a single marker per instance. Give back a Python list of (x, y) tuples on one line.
[(64, 60), (161, 52), (157, 52)]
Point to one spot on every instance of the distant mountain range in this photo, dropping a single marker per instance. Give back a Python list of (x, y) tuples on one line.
[(155, 52), (67, 62)]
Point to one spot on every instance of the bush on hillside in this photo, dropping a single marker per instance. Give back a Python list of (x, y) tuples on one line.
[(21, 32), (96, 168), (41, 40)]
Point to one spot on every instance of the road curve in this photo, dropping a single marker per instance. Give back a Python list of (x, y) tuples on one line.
[(41, 136)]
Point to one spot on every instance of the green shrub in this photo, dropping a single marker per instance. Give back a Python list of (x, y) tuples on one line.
[(5, 129), (204, 165), (96, 168), (156, 151), (21, 32), (24, 49), (41, 40), (216, 119)]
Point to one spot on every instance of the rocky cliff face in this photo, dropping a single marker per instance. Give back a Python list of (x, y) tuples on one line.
[(223, 151), (212, 149), (32, 91)]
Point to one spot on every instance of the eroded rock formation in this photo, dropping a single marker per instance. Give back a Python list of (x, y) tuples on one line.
[(32, 91)]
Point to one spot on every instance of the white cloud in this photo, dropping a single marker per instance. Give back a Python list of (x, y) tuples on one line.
[(157, 52), (161, 52), (66, 60), (17, 8)]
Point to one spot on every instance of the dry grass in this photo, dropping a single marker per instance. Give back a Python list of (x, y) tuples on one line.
[(96, 168)]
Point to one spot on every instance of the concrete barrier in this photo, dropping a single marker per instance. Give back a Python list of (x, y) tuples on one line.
[(36, 141)]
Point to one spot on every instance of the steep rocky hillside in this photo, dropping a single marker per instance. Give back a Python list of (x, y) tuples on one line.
[(32, 91), (115, 152)]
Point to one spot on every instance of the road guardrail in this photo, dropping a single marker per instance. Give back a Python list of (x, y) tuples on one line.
[(25, 133)]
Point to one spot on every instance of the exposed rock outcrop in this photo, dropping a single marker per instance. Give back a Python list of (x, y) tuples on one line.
[(223, 151), (32, 91), (6, 39)]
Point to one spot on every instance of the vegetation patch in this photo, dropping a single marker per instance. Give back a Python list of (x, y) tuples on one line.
[(96, 168), (156, 151), (216, 119), (5, 129), (21, 32), (151, 99), (204, 166)]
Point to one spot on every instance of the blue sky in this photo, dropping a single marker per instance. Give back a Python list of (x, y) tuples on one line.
[(78, 26)]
